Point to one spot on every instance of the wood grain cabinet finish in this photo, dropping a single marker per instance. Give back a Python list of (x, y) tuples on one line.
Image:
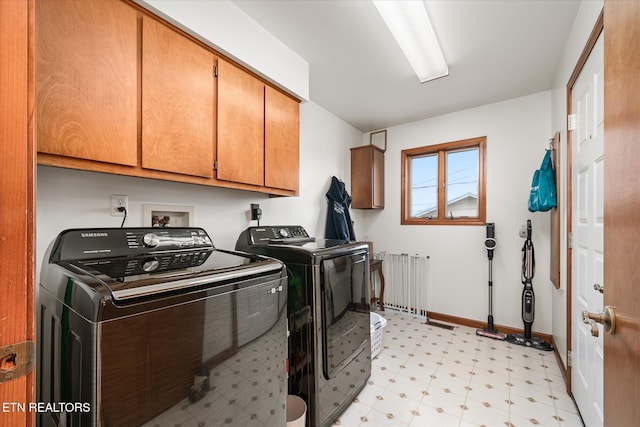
[(367, 177), (177, 102), (281, 144), (86, 80), (120, 90), (240, 125), (258, 131)]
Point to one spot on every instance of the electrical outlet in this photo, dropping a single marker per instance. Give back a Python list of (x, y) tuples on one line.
[(523, 231), (256, 212), (119, 201)]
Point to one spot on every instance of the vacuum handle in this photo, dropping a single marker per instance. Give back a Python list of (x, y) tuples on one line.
[(490, 242), (491, 230)]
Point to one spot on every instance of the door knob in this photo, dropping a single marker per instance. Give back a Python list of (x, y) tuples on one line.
[(594, 326), (607, 318), (599, 288)]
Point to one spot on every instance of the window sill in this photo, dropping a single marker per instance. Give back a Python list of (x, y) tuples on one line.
[(455, 221)]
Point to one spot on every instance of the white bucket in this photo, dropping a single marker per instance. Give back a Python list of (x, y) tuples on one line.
[(296, 411)]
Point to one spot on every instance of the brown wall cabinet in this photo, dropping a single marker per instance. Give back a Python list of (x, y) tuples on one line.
[(178, 97), (281, 140), (120, 90), (258, 131), (367, 177), (240, 125), (86, 80)]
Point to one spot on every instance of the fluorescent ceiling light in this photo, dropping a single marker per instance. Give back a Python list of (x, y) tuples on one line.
[(411, 27)]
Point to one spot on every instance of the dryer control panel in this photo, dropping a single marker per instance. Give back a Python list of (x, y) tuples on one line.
[(277, 234)]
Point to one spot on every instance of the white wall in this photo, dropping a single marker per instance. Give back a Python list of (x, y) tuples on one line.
[(582, 27), (75, 199), (517, 134)]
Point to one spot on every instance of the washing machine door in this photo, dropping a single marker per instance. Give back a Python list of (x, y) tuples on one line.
[(345, 310)]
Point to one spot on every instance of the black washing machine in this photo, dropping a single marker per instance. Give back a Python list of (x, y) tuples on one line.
[(155, 326), (328, 311)]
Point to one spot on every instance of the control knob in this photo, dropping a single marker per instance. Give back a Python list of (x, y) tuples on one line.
[(283, 232), (150, 240), (150, 264)]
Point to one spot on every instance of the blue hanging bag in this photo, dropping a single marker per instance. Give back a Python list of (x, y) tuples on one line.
[(542, 196)]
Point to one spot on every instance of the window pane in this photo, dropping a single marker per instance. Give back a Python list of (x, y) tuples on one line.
[(424, 186), (462, 184), (442, 185)]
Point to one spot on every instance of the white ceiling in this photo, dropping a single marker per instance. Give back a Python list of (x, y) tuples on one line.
[(496, 50)]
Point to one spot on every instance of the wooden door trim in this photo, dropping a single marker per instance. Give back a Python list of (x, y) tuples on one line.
[(17, 199), (554, 229), (591, 42)]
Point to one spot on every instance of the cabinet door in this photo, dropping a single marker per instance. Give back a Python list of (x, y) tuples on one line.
[(367, 177), (86, 80), (177, 102), (282, 141), (240, 143), (378, 178)]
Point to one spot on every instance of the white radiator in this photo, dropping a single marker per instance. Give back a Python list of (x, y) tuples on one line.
[(405, 282)]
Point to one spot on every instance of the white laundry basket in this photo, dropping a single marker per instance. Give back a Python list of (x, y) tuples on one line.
[(296, 411), (377, 327)]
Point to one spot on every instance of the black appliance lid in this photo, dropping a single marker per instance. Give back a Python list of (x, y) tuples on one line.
[(288, 242), (176, 259), (313, 246), (125, 277)]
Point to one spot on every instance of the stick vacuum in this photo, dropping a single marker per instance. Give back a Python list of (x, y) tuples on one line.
[(490, 245), (528, 299)]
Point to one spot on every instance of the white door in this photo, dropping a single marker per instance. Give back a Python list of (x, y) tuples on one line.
[(588, 231)]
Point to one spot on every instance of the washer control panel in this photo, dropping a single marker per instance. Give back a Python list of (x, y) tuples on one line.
[(100, 243)]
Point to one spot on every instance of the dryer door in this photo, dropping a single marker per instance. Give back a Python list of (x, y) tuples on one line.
[(345, 310)]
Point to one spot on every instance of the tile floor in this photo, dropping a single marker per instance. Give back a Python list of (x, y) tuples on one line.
[(429, 376)]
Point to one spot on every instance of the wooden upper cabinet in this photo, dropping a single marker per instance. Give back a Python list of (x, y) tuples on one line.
[(178, 97), (367, 177), (282, 140), (240, 142), (86, 80), (120, 90)]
